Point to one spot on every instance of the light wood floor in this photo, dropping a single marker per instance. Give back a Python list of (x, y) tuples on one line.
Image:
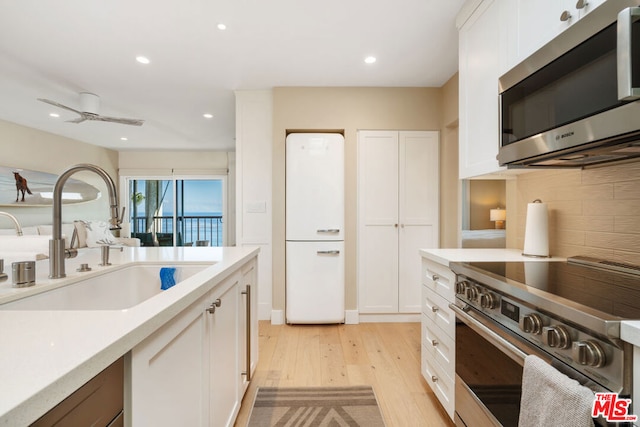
[(383, 355)]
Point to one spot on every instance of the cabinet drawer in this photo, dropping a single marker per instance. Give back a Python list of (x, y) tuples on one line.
[(439, 347), (96, 403), (442, 385), (439, 278), (436, 310)]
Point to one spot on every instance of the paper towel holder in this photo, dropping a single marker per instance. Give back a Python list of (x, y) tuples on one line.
[(537, 252)]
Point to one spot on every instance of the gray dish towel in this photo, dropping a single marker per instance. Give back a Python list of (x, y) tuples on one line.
[(550, 398)]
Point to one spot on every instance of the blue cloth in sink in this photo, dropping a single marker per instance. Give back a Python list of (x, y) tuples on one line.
[(167, 278)]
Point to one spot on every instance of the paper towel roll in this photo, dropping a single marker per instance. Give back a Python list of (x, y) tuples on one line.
[(536, 234)]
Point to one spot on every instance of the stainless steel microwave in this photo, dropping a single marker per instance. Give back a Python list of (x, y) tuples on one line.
[(576, 101)]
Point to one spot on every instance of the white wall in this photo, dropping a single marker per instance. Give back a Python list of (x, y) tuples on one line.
[(254, 112)]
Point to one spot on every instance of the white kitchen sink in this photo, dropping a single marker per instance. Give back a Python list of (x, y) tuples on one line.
[(117, 289)]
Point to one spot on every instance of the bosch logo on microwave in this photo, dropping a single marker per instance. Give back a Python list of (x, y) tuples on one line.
[(564, 135)]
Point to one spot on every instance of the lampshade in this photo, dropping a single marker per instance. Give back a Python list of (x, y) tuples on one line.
[(497, 214)]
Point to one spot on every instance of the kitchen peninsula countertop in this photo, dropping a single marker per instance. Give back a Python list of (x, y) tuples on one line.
[(630, 332), (47, 355), (445, 256)]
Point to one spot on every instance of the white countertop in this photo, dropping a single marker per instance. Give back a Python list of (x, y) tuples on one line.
[(629, 329), (445, 256), (630, 332), (46, 355)]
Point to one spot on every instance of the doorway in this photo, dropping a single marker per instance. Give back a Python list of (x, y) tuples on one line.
[(172, 211)]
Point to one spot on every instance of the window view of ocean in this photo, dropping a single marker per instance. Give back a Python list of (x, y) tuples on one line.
[(198, 204)]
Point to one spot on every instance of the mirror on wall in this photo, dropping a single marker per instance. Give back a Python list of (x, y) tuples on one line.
[(24, 187), (483, 213)]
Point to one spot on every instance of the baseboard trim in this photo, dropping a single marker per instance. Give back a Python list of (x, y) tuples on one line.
[(264, 311), (351, 317), (277, 317), (390, 318)]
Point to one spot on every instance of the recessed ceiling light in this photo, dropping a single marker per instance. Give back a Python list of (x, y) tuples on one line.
[(207, 115), (142, 59), (370, 59), (124, 138), (222, 26), (54, 114)]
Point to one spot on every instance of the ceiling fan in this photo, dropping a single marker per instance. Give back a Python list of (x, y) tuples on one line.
[(89, 104)]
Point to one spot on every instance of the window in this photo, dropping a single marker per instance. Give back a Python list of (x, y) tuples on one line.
[(175, 211)]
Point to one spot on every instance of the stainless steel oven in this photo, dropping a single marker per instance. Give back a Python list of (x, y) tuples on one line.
[(500, 320)]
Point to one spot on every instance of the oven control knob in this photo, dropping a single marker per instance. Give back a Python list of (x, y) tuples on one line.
[(531, 323), (461, 287), (589, 353), (488, 300), (472, 293), (556, 336)]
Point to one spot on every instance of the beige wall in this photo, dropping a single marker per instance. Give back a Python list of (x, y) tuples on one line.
[(32, 149), (591, 212), (206, 161), (449, 183), (350, 109)]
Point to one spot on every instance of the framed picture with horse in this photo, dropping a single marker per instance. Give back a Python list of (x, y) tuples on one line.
[(23, 187)]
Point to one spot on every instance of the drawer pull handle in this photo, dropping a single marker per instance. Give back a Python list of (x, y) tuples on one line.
[(434, 342), (435, 277), (565, 16), (435, 308), (434, 378)]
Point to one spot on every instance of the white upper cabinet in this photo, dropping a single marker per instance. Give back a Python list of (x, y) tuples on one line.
[(483, 51), (539, 21), (494, 36)]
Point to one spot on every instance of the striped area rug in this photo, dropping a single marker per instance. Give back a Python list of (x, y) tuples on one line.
[(316, 406)]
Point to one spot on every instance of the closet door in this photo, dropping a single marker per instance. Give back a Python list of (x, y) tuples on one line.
[(378, 222), (418, 209)]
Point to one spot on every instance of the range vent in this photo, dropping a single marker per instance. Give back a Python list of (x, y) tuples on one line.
[(619, 267)]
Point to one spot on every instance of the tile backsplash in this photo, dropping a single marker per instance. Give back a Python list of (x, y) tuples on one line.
[(592, 212)]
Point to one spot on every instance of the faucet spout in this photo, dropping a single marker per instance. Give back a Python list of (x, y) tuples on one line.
[(57, 251), (15, 222)]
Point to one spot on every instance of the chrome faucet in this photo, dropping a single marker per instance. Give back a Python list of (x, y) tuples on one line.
[(57, 251), (15, 222)]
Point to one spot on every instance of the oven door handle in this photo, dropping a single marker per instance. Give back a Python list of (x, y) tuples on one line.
[(498, 337)]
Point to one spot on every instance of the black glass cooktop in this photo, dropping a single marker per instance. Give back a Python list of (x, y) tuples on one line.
[(614, 293)]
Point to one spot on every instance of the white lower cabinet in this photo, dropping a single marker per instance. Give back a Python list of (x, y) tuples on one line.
[(248, 323), (224, 355), (190, 371), (441, 385), (438, 332)]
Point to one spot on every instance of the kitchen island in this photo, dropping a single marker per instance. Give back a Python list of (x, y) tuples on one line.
[(47, 355)]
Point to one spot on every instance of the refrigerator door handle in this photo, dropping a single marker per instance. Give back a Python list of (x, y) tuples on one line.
[(329, 230), (334, 252)]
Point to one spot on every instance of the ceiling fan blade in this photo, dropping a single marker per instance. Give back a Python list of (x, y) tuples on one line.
[(123, 121), (57, 104)]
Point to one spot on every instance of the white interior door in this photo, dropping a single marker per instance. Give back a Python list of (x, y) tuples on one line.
[(378, 221), (418, 211)]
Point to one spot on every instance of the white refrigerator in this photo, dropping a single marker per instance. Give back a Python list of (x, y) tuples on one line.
[(315, 228)]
